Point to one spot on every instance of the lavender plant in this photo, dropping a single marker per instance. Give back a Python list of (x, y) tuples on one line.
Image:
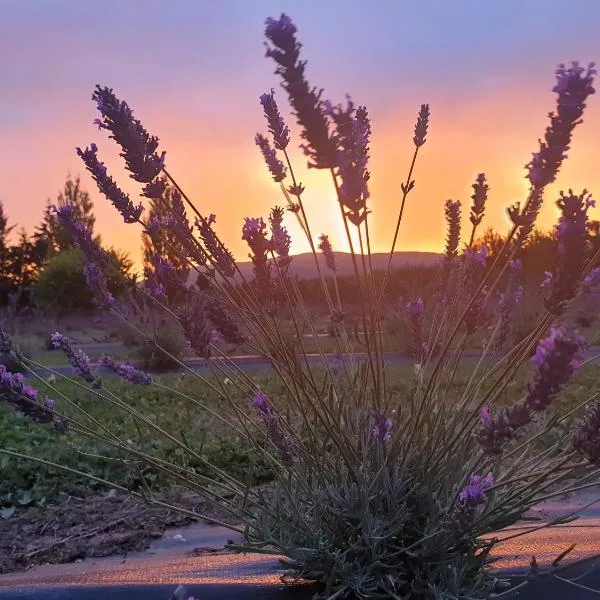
[(373, 494)]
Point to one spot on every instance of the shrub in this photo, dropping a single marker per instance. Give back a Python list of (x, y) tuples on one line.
[(164, 351), (62, 286)]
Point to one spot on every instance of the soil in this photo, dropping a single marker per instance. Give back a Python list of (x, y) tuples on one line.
[(78, 528)]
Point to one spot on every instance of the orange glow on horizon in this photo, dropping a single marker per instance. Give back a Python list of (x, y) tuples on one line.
[(223, 172)]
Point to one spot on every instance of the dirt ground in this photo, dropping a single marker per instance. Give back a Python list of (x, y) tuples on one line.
[(81, 528)]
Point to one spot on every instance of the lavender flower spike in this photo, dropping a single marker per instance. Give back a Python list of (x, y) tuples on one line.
[(479, 197), (23, 397), (421, 126), (573, 86), (572, 234), (325, 247), (306, 101), (78, 359), (276, 167), (452, 212), (280, 238), (382, 428), (470, 497), (277, 127), (107, 185), (557, 358), (126, 371), (271, 420), (139, 148)]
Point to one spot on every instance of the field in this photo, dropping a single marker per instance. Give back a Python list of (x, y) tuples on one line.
[(49, 515)]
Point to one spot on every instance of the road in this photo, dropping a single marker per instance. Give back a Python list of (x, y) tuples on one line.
[(258, 363)]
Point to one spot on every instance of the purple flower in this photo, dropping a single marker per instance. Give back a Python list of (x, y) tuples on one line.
[(277, 127), (479, 197), (80, 235), (272, 423), (23, 397), (452, 212), (78, 359), (572, 234), (276, 167), (415, 308), (573, 87), (421, 126), (470, 497), (352, 133), (107, 185), (280, 238), (306, 102), (126, 371), (254, 232), (325, 247), (557, 358), (261, 402), (382, 427), (139, 148), (473, 494)]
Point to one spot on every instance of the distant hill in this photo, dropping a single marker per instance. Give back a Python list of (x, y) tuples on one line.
[(303, 265)]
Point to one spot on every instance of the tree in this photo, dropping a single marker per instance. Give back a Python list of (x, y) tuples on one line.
[(49, 233), (170, 246), (5, 231)]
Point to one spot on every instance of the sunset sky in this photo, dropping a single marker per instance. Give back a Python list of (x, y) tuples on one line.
[(193, 70)]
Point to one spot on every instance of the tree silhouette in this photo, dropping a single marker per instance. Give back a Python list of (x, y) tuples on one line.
[(49, 233), (168, 245)]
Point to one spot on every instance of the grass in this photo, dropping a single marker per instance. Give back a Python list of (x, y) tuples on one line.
[(23, 483)]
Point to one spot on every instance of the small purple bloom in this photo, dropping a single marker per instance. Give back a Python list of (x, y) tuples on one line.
[(272, 423), (421, 126), (415, 308), (328, 254), (78, 359), (479, 197), (139, 148), (126, 371), (280, 238), (306, 101), (276, 167), (23, 397), (107, 185), (452, 212), (473, 494), (277, 127), (382, 427)]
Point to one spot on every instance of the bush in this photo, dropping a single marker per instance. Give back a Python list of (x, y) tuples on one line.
[(172, 341), (61, 286)]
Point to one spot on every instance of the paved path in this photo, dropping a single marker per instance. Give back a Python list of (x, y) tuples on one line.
[(257, 362), (154, 573)]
